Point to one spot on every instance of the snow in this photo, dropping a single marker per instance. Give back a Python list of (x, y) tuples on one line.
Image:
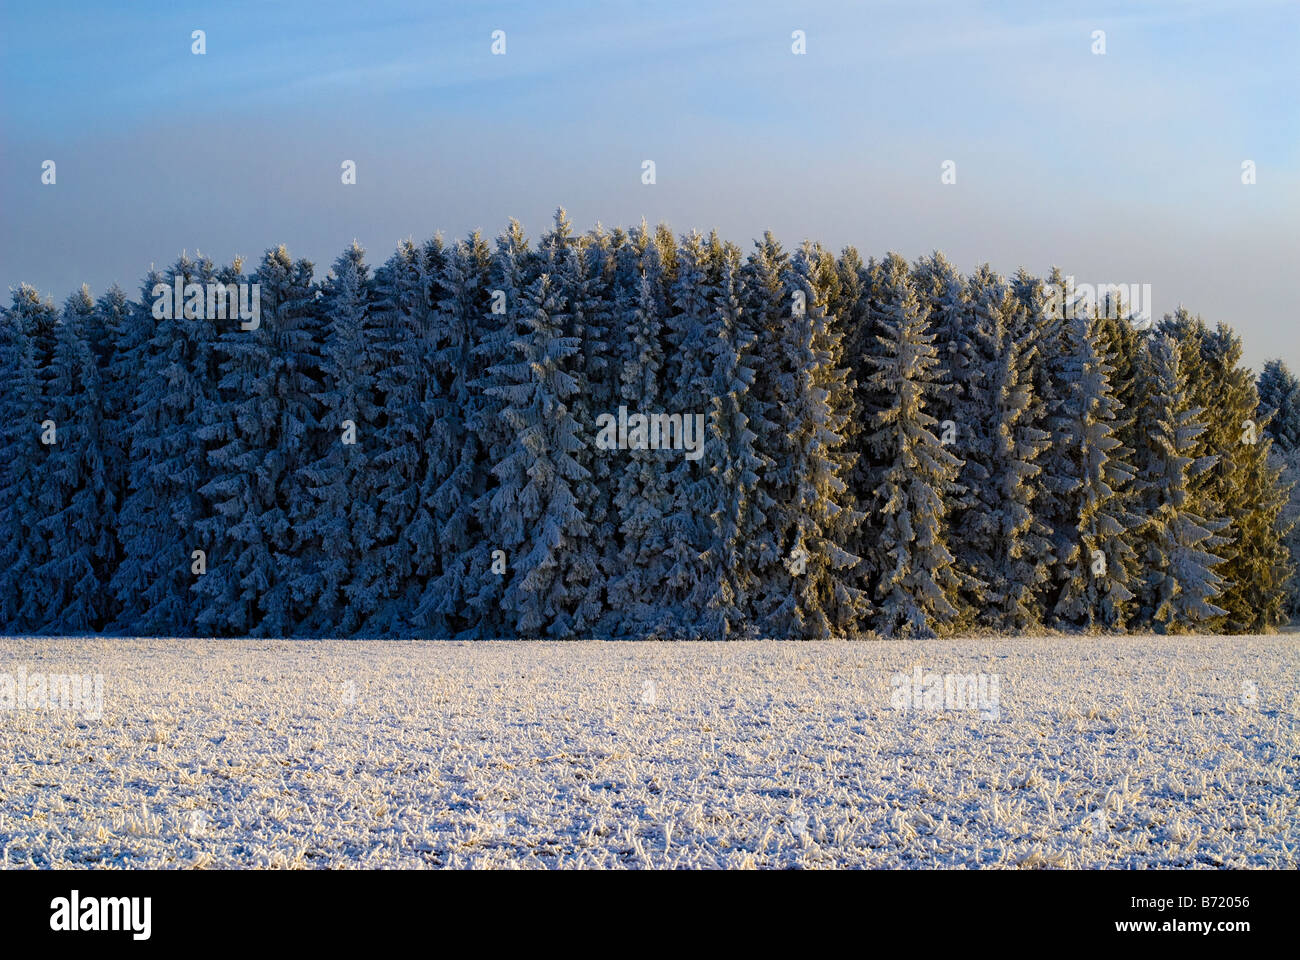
[(1106, 752)]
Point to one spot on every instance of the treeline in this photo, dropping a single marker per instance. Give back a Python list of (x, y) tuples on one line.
[(889, 449)]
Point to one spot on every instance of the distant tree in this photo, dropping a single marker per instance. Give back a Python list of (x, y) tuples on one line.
[(1256, 566)]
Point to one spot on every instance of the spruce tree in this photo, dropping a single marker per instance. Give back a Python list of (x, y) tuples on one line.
[(496, 509), (736, 464), (1256, 567), (341, 525), (454, 451), (1094, 549), (162, 523), (541, 523), (998, 539), (642, 500), (387, 586), (817, 594), (766, 303), (257, 435), (23, 457), (579, 284), (74, 500), (689, 379), (1180, 582), (1279, 404), (915, 580)]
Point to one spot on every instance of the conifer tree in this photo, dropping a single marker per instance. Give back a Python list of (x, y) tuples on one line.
[(1279, 404), (340, 526), (579, 285), (735, 464), (122, 337), (541, 523), (23, 457), (999, 541), (689, 376), (767, 304), (162, 518), (816, 594), (1094, 549), (257, 434), (387, 588), (456, 478), (915, 580), (1180, 582), (1256, 566), (74, 499), (642, 500), (496, 349)]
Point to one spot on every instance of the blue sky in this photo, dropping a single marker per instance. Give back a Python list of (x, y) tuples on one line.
[(1121, 168)]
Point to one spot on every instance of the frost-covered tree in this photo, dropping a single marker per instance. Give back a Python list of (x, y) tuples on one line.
[(337, 525), (1256, 567), (1177, 538), (161, 523), (576, 269), (22, 458), (455, 478), (944, 298), (74, 501), (257, 435), (641, 500), (123, 334), (735, 465), (915, 580), (495, 349), (1279, 404), (766, 302), (998, 539), (816, 593), (688, 376), (387, 585), (39, 320), (541, 524), (1093, 538), (1287, 464)]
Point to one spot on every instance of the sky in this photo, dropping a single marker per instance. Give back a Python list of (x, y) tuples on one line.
[(1119, 167)]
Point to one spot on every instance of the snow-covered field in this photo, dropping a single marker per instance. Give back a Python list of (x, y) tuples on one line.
[(1116, 752)]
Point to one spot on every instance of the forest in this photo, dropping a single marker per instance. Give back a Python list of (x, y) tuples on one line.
[(889, 449)]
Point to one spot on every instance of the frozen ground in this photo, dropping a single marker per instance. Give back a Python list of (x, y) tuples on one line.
[(1135, 752)]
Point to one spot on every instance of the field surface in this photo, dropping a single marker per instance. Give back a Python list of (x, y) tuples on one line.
[(1099, 752)]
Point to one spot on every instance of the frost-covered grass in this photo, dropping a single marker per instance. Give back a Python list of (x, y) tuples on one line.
[(1111, 752)]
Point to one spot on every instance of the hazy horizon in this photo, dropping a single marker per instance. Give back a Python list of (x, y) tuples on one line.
[(1119, 168)]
